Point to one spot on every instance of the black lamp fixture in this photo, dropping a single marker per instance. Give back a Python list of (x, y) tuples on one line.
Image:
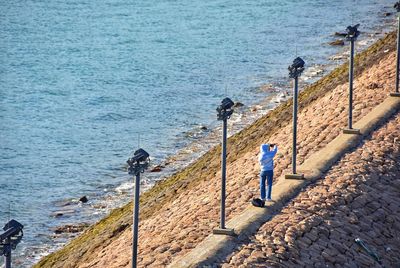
[(9, 240), (137, 164), (225, 109), (295, 71), (296, 68), (352, 34), (224, 112)]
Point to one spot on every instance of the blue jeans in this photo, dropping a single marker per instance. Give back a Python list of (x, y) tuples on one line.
[(267, 174)]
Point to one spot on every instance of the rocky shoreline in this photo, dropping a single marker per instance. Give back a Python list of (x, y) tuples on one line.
[(179, 212)]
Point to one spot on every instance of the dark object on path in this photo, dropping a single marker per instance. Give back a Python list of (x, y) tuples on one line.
[(83, 199), (371, 253), (257, 202)]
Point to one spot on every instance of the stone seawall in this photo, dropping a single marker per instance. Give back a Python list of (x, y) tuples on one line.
[(215, 247), (179, 213), (357, 198)]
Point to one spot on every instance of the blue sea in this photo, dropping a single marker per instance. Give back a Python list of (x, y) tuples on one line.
[(84, 83)]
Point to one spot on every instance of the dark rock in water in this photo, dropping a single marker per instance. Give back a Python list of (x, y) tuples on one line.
[(70, 228), (340, 34), (238, 104), (387, 14), (157, 169), (203, 128), (337, 43), (61, 213), (83, 199), (63, 203)]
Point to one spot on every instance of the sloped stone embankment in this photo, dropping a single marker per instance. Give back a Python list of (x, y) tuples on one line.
[(180, 212), (357, 198)]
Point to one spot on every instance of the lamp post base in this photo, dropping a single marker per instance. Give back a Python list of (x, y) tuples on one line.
[(351, 131), (394, 94), (225, 231), (296, 176)]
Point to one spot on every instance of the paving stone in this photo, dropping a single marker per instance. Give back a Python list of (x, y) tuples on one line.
[(312, 236), (327, 257)]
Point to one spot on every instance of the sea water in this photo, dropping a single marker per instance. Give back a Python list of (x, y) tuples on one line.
[(84, 83)]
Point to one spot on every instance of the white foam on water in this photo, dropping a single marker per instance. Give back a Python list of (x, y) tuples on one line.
[(124, 187)]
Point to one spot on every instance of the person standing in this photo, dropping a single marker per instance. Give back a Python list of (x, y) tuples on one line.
[(266, 160)]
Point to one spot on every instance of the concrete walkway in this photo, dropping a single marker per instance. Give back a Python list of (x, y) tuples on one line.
[(215, 247)]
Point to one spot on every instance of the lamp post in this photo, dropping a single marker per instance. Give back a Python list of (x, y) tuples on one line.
[(9, 240), (397, 92), (295, 71), (137, 164), (352, 34), (224, 112)]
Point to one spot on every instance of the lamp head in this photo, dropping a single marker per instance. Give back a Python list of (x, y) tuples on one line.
[(225, 109), (352, 32), (296, 68), (13, 224), (298, 63), (12, 236), (226, 104), (139, 156), (139, 162)]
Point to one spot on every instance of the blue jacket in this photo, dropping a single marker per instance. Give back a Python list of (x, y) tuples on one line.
[(266, 157)]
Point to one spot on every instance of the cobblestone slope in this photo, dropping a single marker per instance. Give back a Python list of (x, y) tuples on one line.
[(181, 211), (358, 198), (181, 225)]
